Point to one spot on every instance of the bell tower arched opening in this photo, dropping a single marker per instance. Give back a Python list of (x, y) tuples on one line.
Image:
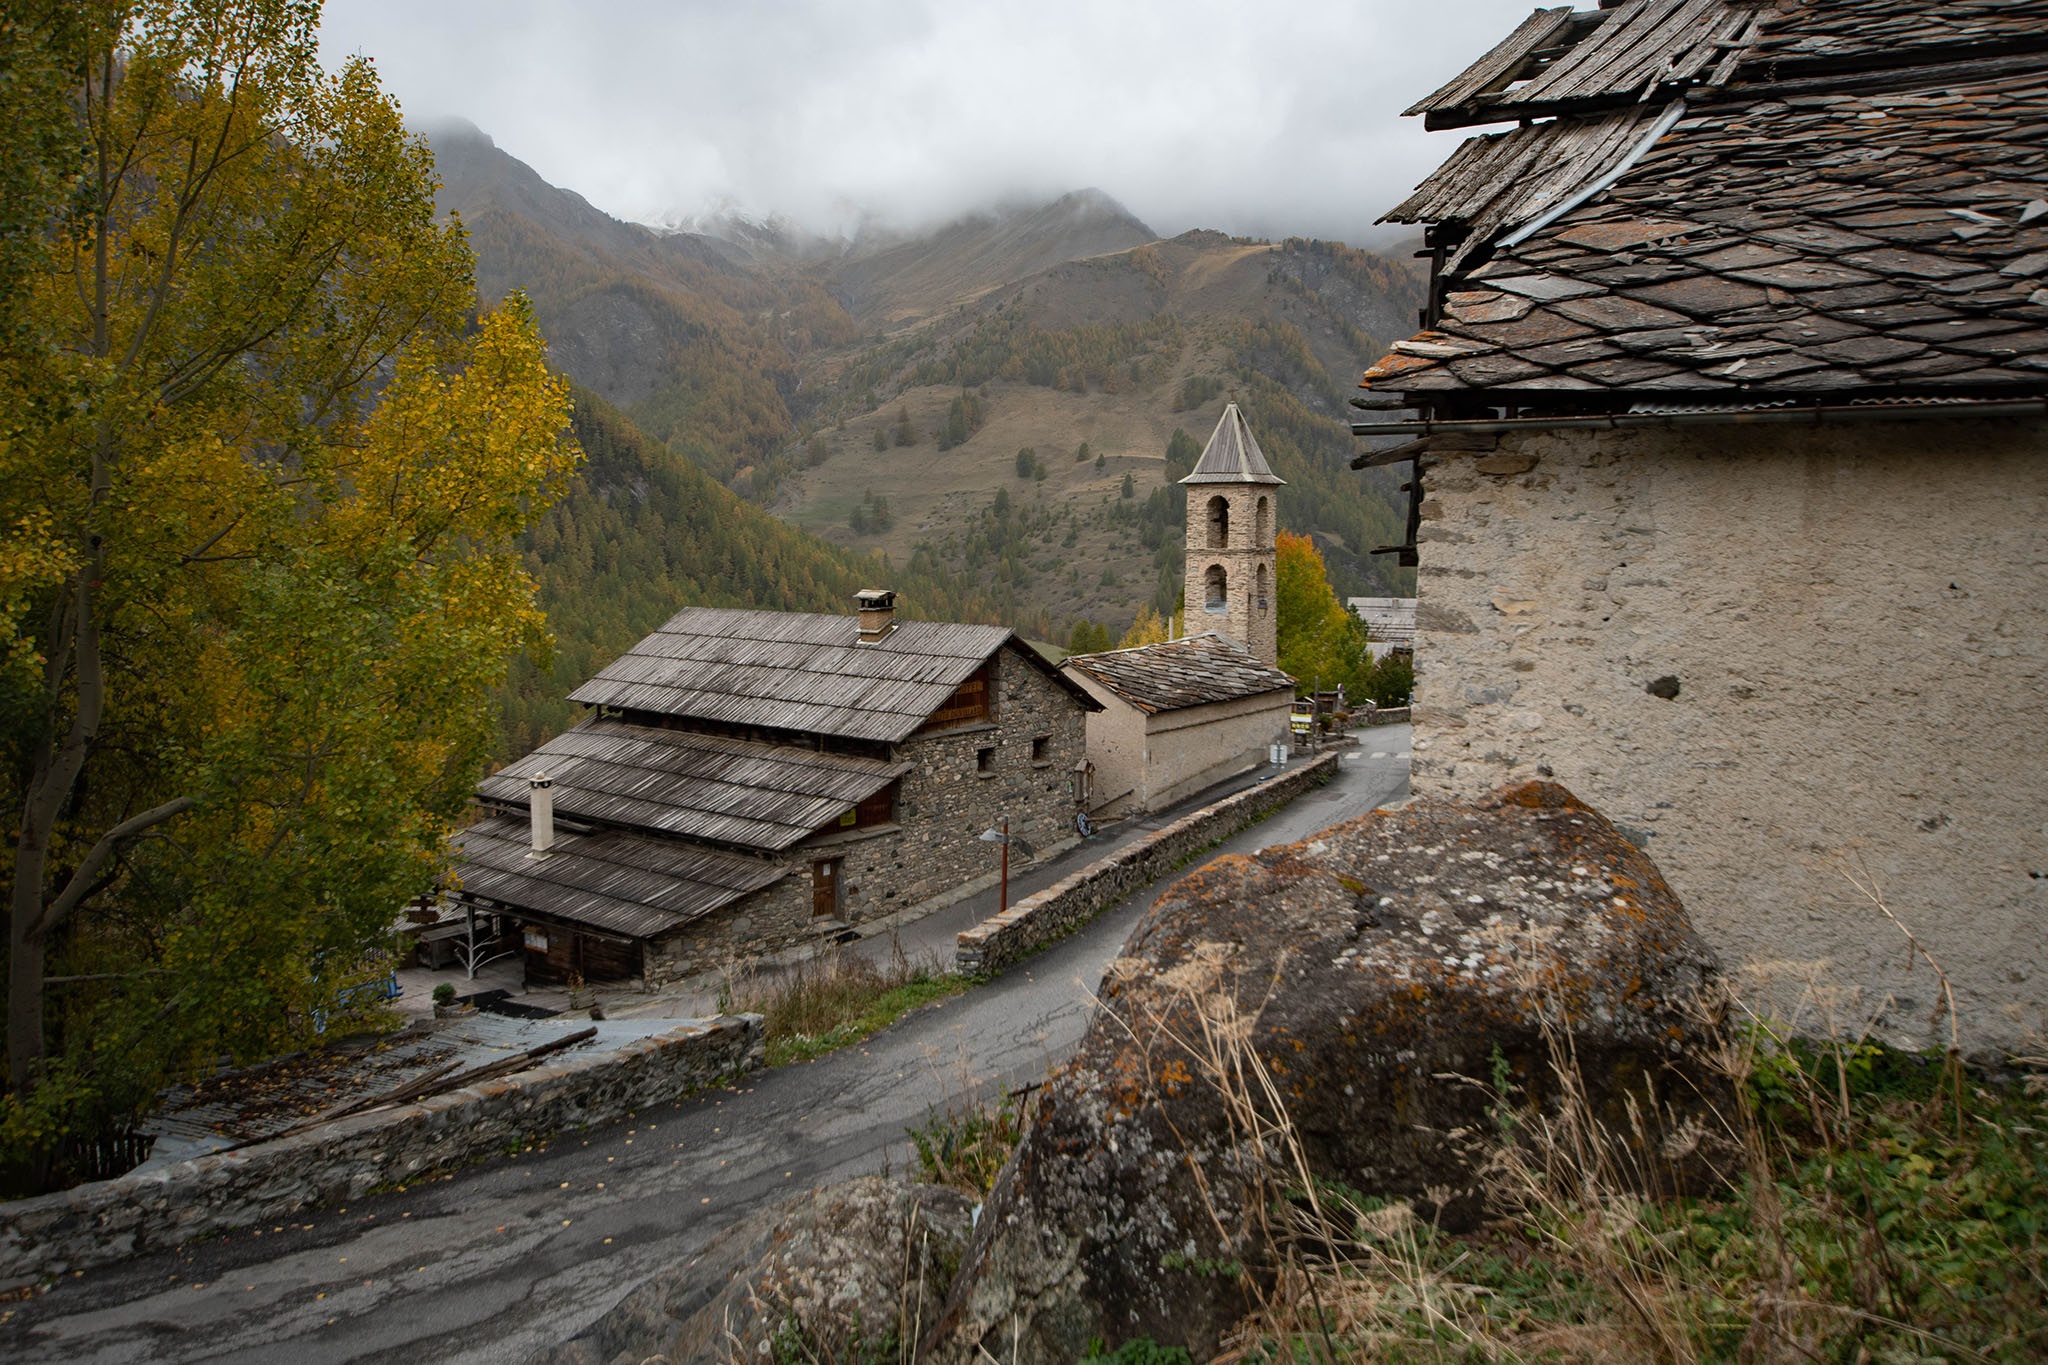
[(1230, 568), (1218, 520)]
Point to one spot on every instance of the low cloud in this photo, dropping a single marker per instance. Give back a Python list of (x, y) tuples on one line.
[(1193, 114)]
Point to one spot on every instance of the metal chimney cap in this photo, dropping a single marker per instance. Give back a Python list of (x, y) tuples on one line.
[(539, 782)]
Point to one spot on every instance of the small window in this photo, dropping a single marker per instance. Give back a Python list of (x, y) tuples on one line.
[(1216, 590), (1041, 749), (985, 760)]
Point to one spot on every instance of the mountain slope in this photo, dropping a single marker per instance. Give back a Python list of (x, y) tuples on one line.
[(959, 262), (878, 392), (1121, 352), (641, 535)]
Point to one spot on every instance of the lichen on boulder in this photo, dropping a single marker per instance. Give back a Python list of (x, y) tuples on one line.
[(840, 1273), (1391, 991)]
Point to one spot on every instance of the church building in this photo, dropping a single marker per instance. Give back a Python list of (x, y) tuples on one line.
[(1181, 716)]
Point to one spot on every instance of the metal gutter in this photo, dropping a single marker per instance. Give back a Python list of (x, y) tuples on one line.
[(1618, 421)]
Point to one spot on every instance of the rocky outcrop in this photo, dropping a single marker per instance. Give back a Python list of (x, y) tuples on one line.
[(834, 1274), (1402, 981)]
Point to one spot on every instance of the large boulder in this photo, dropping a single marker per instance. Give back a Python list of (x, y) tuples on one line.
[(1404, 980), (833, 1274)]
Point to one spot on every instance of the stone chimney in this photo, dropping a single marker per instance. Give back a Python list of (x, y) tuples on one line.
[(541, 792), (877, 614)]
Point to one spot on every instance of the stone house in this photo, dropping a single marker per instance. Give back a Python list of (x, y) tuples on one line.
[(752, 780), (1732, 472), (1389, 623), (1177, 717)]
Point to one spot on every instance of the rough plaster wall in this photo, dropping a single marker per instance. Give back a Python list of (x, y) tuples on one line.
[(1116, 746), (1858, 620), (1191, 749)]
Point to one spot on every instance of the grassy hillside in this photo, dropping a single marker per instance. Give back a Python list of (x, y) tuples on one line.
[(1119, 353)]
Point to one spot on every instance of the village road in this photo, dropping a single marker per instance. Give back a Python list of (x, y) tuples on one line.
[(512, 1255)]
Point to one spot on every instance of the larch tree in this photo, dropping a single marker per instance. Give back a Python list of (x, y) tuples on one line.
[(259, 485), (1319, 641)]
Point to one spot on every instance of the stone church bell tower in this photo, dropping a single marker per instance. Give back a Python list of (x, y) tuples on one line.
[(1233, 515)]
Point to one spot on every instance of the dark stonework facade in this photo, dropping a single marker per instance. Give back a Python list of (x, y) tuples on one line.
[(933, 848), (753, 781)]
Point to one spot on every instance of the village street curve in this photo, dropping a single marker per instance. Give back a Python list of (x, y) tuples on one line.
[(516, 1254)]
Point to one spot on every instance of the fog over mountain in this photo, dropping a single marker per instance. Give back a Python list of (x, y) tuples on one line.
[(845, 117)]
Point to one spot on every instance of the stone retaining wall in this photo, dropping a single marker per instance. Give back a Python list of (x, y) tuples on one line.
[(1387, 715), (1037, 920), (108, 1220)]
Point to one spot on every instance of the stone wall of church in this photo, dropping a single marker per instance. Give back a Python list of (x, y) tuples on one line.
[(1241, 549)]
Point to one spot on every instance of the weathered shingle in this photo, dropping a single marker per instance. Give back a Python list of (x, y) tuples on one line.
[(1873, 228), (1233, 454), (794, 671), (629, 884), (1180, 673), (728, 791)]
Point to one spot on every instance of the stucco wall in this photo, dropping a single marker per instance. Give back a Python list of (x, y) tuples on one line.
[(1116, 746), (1190, 749), (1857, 619), (1146, 762), (935, 847)]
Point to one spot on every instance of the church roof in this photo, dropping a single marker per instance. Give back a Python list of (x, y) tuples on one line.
[(1232, 455), (1194, 671)]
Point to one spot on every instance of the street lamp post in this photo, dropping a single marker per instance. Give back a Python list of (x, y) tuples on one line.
[(1002, 836)]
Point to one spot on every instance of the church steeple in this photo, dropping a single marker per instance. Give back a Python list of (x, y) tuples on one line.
[(1232, 522)]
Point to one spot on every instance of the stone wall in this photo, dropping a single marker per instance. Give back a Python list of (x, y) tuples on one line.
[(1037, 920), (934, 849), (1786, 660), (111, 1219)]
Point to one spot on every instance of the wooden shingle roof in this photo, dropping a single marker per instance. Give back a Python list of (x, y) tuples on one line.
[(727, 791), (1233, 454), (1860, 211), (794, 671), (1181, 673), (610, 880)]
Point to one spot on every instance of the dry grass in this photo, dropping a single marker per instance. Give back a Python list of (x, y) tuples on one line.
[(836, 998), (1891, 1209)]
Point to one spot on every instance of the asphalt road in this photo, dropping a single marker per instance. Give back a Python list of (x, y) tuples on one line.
[(516, 1254)]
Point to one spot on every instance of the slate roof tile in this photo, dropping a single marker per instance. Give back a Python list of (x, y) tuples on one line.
[(1194, 671), (1841, 183)]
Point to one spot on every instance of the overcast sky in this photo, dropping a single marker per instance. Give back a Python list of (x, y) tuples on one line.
[(1255, 119)]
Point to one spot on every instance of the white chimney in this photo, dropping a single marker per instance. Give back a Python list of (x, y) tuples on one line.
[(541, 791), (877, 613)]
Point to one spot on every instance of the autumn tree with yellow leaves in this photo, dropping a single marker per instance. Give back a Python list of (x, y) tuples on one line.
[(261, 470)]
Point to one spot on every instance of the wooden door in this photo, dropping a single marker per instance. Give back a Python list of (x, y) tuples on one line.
[(825, 888)]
